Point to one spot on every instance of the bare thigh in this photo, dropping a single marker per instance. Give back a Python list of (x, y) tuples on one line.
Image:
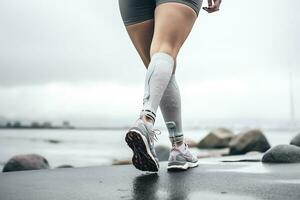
[(173, 23), (167, 33), (141, 36)]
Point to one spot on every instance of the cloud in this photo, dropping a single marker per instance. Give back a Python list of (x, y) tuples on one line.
[(72, 41), (74, 60), (46, 41), (108, 103)]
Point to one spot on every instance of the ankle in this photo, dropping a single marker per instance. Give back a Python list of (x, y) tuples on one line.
[(147, 119), (177, 144), (181, 147)]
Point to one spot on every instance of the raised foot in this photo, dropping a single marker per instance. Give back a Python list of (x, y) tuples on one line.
[(142, 157)]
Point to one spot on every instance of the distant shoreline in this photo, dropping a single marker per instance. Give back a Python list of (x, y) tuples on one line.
[(62, 128), (127, 127)]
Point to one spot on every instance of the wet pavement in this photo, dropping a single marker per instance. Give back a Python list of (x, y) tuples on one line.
[(213, 179)]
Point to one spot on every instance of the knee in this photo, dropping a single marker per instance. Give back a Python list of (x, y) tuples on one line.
[(166, 48), (169, 51)]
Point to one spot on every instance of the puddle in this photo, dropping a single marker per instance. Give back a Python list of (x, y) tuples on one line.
[(243, 160), (290, 181), (250, 167), (222, 195)]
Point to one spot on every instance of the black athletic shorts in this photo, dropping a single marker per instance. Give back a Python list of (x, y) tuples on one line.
[(136, 11)]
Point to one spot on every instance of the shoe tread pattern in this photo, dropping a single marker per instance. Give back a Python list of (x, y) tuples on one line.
[(140, 159)]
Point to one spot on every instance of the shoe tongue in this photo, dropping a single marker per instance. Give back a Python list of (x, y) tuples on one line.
[(149, 125), (182, 148)]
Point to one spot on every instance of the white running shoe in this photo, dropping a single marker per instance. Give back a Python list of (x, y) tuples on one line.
[(140, 138), (181, 161)]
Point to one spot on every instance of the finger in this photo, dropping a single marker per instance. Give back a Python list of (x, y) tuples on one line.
[(207, 9), (217, 3), (210, 10), (209, 3), (214, 8)]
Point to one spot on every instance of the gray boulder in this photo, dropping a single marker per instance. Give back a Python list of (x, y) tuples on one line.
[(162, 152), (65, 166), (218, 138), (122, 162), (191, 143), (252, 140), (282, 154), (26, 162), (296, 140)]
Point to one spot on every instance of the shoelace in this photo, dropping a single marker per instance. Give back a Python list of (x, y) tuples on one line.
[(177, 149), (153, 134)]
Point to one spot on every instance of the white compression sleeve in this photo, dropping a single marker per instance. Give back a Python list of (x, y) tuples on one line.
[(170, 106), (157, 78)]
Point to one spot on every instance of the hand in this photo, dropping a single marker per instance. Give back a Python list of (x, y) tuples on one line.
[(213, 6)]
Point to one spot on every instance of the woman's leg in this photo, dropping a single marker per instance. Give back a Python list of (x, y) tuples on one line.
[(138, 17), (173, 23), (171, 30), (141, 36), (170, 106)]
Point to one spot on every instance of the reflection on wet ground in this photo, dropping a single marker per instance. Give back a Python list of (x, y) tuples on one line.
[(145, 187), (213, 179), (217, 196), (177, 186), (291, 181), (231, 180)]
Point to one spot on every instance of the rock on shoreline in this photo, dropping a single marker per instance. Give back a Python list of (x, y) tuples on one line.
[(282, 154), (26, 162), (218, 138), (252, 140), (296, 140)]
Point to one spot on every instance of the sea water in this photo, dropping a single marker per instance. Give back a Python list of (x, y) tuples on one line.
[(80, 147)]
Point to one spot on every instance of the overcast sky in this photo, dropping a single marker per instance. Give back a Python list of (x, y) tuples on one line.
[(72, 59)]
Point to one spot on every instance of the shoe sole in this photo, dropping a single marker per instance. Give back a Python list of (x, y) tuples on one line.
[(184, 167), (142, 157)]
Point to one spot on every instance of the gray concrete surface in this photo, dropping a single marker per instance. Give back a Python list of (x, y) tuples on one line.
[(213, 179)]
